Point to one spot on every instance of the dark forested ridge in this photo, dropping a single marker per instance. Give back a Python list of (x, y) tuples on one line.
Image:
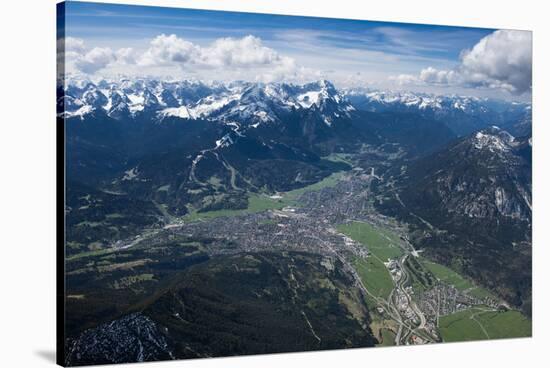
[(225, 306)]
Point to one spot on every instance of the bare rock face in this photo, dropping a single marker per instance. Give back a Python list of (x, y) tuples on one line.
[(485, 176), (133, 338)]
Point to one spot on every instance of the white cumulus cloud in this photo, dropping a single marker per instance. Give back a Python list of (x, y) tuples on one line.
[(434, 76), (501, 60), (245, 57), (222, 53), (165, 50), (404, 79), (74, 44), (126, 55), (95, 59), (243, 52), (75, 53)]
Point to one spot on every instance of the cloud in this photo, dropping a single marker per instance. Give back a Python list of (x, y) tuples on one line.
[(227, 52), (69, 48), (441, 77), (74, 44), (77, 55), (126, 56), (95, 59), (501, 60), (165, 50), (404, 79), (245, 52), (245, 57), (429, 76)]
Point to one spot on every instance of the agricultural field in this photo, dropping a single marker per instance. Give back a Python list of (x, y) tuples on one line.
[(483, 324), (379, 243), (447, 275), (375, 276), (372, 270), (460, 326), (506, 324)]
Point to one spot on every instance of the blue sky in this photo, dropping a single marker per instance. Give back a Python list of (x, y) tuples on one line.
[(348, 52)]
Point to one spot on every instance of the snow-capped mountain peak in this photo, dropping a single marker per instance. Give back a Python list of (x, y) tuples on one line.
[(249, 103), (494, 140)]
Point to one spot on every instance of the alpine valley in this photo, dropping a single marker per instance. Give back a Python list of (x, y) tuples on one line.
[(219, 219)]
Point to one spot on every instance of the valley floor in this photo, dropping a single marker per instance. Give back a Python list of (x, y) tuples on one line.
[(410, 299)]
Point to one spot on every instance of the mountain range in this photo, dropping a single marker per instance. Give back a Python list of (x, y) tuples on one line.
[(459, 174), (232, 103), (258, 103), (462, 114)]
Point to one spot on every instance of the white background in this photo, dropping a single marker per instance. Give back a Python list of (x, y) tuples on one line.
[(27, 181)]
